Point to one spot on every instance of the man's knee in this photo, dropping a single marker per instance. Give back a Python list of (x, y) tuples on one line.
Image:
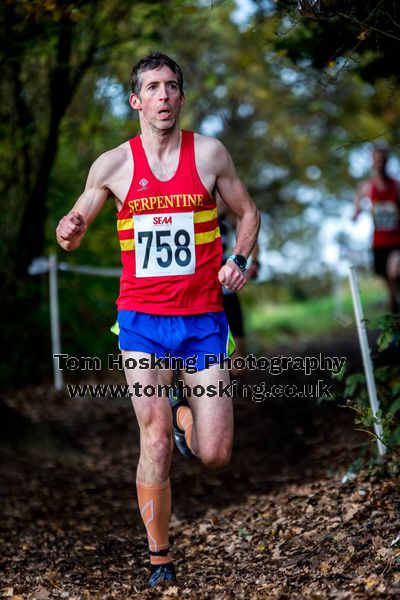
[(393, 265), (157, 445), (214, 458)]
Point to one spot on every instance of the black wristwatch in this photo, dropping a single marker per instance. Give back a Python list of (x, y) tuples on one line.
[(240, 260)]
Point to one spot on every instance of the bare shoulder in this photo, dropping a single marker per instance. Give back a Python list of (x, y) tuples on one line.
[(211, 150), (110, 162), (205, 143)]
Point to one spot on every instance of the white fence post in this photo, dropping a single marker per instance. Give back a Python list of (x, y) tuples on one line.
[(366, 355), (55, 321), (337, 294)]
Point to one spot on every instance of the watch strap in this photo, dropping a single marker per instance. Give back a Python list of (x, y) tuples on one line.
[(234, 257)]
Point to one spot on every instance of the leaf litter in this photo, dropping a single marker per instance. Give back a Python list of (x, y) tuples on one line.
[(279, 522)]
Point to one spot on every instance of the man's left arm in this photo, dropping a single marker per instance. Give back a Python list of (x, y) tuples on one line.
[(238, 200)]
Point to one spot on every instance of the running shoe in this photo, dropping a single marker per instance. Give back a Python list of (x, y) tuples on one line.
[(160, 573), (179, 435)]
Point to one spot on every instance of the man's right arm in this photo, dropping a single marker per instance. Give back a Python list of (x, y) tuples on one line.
[(72, 227)]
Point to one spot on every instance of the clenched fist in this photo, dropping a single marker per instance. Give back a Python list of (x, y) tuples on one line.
[(231, 276), (71, 230)]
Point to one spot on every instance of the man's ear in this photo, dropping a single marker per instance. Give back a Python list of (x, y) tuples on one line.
[(183, 99), (135, 102)]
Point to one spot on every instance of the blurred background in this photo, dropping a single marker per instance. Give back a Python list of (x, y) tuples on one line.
[(296, 91)]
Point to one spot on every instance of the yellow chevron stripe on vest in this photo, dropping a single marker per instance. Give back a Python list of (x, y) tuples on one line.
[(207, 236), (205, 215), (127, 244), (199, 238), (124, 224), (198, 217)]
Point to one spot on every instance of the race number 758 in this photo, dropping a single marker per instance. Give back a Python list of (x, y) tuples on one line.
[(164, 250)]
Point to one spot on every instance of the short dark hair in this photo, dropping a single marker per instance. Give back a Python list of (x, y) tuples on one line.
[(152, 61)]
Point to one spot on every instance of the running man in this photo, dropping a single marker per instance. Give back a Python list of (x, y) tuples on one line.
[(383, 193), (164, 183)]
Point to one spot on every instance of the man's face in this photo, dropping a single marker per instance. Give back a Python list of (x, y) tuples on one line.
[(379, 159), (159, 100)]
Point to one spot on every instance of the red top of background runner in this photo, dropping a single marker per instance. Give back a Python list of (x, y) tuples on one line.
[(385, 236)]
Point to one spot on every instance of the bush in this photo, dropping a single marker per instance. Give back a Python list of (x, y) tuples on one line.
[(387, 379)]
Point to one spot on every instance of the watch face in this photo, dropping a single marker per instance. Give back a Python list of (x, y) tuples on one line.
[(241, 261)]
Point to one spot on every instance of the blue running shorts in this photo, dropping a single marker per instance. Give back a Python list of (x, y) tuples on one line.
[(183, 337)]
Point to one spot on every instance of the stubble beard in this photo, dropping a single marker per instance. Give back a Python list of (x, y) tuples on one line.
[(163, 130)]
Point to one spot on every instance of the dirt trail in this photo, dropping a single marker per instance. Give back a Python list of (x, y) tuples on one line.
[(276, 523)]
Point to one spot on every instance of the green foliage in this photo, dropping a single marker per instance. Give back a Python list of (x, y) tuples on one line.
[(362, 35), (389, 325), (387, 385), (274, 316), (66, 71), (53, 56)]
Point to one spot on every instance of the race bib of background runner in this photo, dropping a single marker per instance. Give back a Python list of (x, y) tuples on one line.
[(386, 216), (164, 244)]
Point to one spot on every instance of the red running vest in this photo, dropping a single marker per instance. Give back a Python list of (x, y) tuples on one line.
[(386, 214), (170, 240)]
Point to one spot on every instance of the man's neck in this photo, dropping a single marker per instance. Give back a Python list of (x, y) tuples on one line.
[(381, 176), (158, 143)]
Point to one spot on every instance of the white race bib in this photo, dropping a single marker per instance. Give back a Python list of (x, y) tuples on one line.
[(386, 216), (164, 244)]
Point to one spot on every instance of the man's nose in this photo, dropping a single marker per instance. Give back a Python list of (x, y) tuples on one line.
[(163, 91)]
